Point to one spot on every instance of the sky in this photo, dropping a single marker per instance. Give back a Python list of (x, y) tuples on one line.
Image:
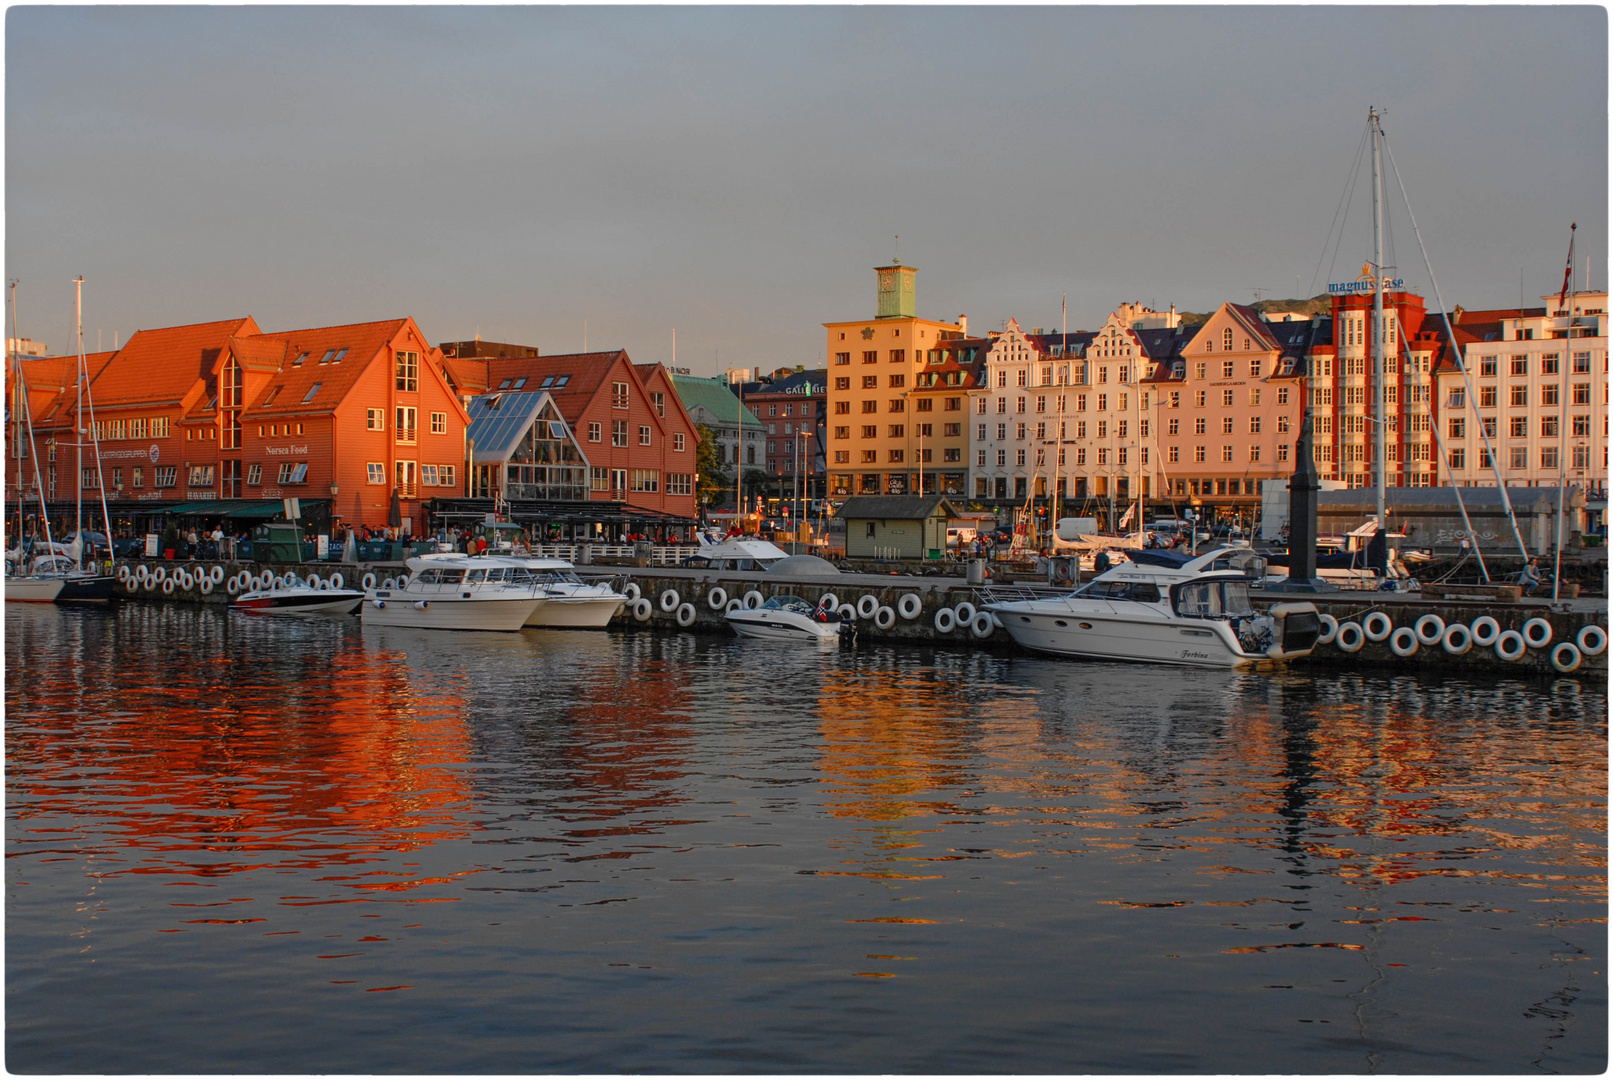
[(727, 177)]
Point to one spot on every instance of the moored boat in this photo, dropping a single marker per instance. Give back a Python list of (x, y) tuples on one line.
[(1164, 608), (299, 599), (444, 594), (786, 618), (569, 601)]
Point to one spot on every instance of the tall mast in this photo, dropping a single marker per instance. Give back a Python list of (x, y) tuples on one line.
[(1381, 444), (78, 419), (33, 447), (1563, 368)]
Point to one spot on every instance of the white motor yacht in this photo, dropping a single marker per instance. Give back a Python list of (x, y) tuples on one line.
[(447, 592), (1164, 607), (569, 601), (786, 618)]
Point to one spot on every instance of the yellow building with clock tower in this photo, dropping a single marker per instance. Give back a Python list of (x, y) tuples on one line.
[(881, 439)]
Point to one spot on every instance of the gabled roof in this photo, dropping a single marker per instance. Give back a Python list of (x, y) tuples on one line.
[(292, 385), (1252, 324), (163, 366), (583, 373), (259, 353), (712, 395), (894, 507), (498, 423)]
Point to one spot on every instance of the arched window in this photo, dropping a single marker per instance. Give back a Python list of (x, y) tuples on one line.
[(1226, 339)]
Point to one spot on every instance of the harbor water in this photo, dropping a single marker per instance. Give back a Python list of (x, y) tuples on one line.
[(253, 844)]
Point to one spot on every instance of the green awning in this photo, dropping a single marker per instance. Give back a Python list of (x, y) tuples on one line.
[(230, 508)]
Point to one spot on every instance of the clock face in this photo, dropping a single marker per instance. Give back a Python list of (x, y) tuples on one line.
[(887, 282)]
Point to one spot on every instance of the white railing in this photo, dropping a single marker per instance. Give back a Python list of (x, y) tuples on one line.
[(659, 555)]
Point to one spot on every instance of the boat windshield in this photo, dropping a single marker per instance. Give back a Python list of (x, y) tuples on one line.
[(1143, 591), (789, 603), (1213, 599)]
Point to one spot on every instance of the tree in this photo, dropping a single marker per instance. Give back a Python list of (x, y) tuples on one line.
[(714, 478)]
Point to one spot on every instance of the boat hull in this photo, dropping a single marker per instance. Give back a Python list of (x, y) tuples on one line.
[(299, 602), (1092, 636), (781, 626), (446, 612), (32, 590), (87, 589), (593, 613)]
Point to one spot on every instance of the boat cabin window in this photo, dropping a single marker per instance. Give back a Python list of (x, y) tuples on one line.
[(789, 603), (1213, 599), (1145, 592)]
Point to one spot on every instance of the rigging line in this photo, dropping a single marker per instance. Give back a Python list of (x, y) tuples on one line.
[(1344, 199), (1461, 361), (1439, 442)]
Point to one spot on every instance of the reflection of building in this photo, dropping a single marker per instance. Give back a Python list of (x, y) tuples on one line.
[(873, 363)]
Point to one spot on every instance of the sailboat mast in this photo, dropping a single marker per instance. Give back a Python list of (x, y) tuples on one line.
[(1380, 447), (1562, 439), (78, 420)]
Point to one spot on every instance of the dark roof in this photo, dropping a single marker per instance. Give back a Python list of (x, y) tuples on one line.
[(477, 349), (1530, 500), (894, 507), (817, 379)]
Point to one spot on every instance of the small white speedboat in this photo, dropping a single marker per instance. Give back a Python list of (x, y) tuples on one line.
[(786, 618), (299, 599), (1163, 607)]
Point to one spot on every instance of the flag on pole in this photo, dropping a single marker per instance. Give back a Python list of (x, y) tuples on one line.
[(1569, 269)]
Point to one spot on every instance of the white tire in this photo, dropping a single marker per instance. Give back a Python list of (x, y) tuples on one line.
[(945, 621), (389, 584), (123, 574), (243, 581), (753, 600), (369, 581), (312, 581), (1330, 629), (233, 586), (867, 604), (847, 613), (982, 625), (168, 586), (207, 585), (151, 584), (1510, 645), (1537, 633), (717, 598), (218, 574), (1377, 626), (337, 581), (1565, 657), (686, 615), (964, 613), (670, 600), (885, 617), (736, 604), (1350, 637), (1485, 631), (187, 580), (641, 609), (1404, 641), (1430, 629), (910, 606), (1457, 639), (631, 590), (829, 602), (1592, 640)]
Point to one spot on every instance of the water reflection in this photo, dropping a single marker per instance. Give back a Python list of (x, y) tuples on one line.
[(555, 851)]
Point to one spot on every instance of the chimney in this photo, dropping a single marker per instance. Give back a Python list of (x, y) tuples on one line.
[(1456, 316), (963, 325)]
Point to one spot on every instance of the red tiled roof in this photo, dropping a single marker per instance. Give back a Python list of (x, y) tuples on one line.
[(363, 341), (163, 366), (587, 372), (259, 353)]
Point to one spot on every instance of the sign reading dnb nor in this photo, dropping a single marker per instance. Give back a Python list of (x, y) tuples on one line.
[(1365, 283)]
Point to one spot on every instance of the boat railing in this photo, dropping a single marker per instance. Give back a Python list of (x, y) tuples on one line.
[(1005, 594), (660, 555)]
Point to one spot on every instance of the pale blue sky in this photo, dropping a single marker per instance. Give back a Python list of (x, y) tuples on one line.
[(736, 172)]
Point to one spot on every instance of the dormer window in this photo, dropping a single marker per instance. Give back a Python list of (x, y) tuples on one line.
[(561, 380), (518, 383), (548, 380), (312, 390), (272, 395), (337, 359), (328, 354), (300, 358), (505, 385)]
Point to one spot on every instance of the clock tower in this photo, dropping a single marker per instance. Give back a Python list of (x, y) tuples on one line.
[(896, 291)]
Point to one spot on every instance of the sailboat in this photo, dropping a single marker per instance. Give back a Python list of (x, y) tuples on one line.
[(28, 579), (81, 584)]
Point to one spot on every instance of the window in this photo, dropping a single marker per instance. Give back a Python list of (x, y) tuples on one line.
[(871, 357), (1020, 377), (1002, 458), (1226, 425), (1582, 365), (200, 476), (1198, 426), (1226, 365), (658, 400), (375, 420), (644, 435), (645, 480), (1548, 394), (1254, 425), (895, 456), (593, 431), (870, 406), (870, 431), (618, 477), (898, 356), (842, 358), (137, 428), (618, 395), (1488, 423), (1457, 428), (405, 421), (1582, 427), (842, 457), (295, 472), (375, 469), (1198, 453), (1282, 425), (1254, 455), (897, 405), (1486, 397), (842, 432), (445, 476), (1019, 404), (1226, 345), (897, 431), (680, 483), (439, 423), (1520, 457), (1200, 399), (677, 441), (1520, 365), (166, 476), (618, 432), (1519, 396), (842, 408), (254, 475), (1456, 459), (1254, 396), (954, 404), (1582, 393), (1019, 432), (428, 476), (898, 380), (408, 371), (160, 426), (1487, 367), (1548, 427), (1226, 399), (870, 457), (1282, 451)]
